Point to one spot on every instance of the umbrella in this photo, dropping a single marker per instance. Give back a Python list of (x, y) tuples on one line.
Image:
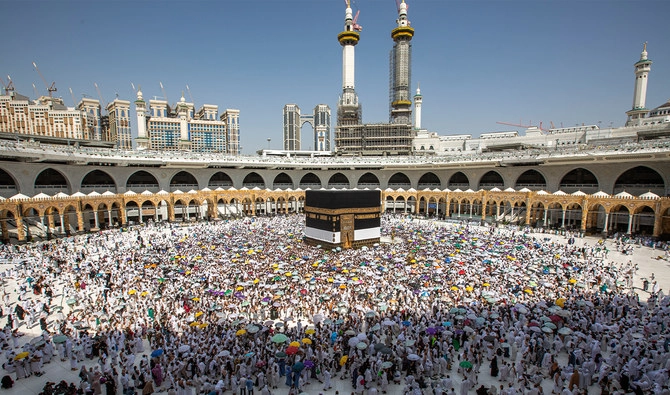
[(279, 338), (386, 351), (343, 360), (294, 344), (306, 341), (280, 354), (361, 346), (59, 339), (550, 325), (241, 332), (184, 348), (291, 350), (157, 353), (387, 364), (465, 364), (379, 346), (546, 329), (252, 328), (298, 366), (565, 331), (413, 357), (21, 355), (431, 330), (490, 338)]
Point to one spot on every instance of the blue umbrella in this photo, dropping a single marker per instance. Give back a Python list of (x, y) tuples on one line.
[(157, 353), (406, 323), (298, 366)]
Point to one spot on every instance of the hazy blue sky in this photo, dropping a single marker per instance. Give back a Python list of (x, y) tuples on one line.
[(477, 61)]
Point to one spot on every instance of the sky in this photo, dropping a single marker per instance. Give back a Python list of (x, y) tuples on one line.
[(478, 62)]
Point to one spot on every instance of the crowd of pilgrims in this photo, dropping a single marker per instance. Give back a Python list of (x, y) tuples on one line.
[(242, 305)]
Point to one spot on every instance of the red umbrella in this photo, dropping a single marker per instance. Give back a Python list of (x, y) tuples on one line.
[(555, 318), (291, 350), (461, 272), (303, 291), (533, 324)]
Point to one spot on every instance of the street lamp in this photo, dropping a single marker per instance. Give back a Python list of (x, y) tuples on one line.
[(269, 139)]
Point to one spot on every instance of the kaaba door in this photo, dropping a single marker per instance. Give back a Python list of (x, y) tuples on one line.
[(347, 230)]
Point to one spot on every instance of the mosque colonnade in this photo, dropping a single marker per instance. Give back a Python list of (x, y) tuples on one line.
[(594, 213)]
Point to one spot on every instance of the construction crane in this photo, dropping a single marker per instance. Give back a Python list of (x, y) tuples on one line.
[(50, 88), (73, 99), (355, 25), (189, 93), (103, 104), (37, 94), (521, 126), (10, 85)]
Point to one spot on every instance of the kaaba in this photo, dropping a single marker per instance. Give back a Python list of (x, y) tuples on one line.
[(342, 218)]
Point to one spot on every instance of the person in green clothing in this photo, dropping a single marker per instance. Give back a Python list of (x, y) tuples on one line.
[(151, 312)]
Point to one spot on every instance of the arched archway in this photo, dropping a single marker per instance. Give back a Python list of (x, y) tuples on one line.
[(458, 180), (310, 180), (643, 221), (282, 181), (8, 185), (220, 180), (429, 180), (183, 181), (51, 181), (639, 180), (399, 180), (97, 180), (338, 181), (253, 180), (579, 179), (141, 181), (531, 179), (492, 179), (368, 180)]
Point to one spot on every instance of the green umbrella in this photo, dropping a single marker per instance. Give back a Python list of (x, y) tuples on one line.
[(279, 338), (59, 339), (465, 364)]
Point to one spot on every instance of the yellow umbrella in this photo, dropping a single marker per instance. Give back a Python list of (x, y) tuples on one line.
[(213, 247), (343, 360), (203, 325), (469, 288), (241, 332), (315, 264), (239, 288), (294, 344), (330, 280), (198, 314), (572, 281), (345, 271), (256, 281), (310, 331), (145, 293), (454, 288), (21, 355), (306, 341), (288, 274), (560, 302), (486, 285), (192, 324), (132, 292), (196, 299), (528, 291), (342, 286), (274, 265)]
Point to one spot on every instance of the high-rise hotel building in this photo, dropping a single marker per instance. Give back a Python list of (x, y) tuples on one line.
[(48, 119), (183, 128)]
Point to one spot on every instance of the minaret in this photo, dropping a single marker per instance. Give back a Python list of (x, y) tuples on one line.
[(182, 114), (142, 140), (401, 104), (348, 109), (417, 108), (639, 111)]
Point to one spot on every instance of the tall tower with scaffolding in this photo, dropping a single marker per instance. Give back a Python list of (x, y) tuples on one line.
[(349, 110), (400, 69)]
